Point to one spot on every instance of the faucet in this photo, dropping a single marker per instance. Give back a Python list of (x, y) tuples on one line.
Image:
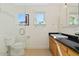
[(77, 33)]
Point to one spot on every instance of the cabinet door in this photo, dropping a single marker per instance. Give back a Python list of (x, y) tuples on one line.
[(72, 52), (64, 50), (52, 46)]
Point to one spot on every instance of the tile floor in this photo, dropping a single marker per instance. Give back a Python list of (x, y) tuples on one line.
[(37, 52)]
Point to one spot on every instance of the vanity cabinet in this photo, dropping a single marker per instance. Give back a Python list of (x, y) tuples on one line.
[(64, 50), (72, 53), (59, 49), (53, 46)]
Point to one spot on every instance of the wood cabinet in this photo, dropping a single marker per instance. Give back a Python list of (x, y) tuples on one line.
[(59, 49), (53, 46), (72, 53), (63, 49)]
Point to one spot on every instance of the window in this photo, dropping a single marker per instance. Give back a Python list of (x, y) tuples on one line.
[(23, 19), (73, 20), (40, 18), (73, 14)]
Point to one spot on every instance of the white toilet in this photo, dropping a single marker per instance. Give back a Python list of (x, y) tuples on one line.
[(12, 47), (3, 48), (17, 49)]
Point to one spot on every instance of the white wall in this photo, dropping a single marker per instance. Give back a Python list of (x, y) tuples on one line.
[(64, 26), (36, 36), (39, 34)]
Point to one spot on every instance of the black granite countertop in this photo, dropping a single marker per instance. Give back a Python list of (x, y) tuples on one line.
[(67, 42)]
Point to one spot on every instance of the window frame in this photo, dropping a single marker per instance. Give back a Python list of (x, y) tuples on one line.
[(35, 20)]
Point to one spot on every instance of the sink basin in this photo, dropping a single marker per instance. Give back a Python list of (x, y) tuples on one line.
[(77, 48), (74, 39)]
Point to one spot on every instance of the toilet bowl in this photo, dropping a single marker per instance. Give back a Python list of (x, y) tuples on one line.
[(3, 48), (17, 49)]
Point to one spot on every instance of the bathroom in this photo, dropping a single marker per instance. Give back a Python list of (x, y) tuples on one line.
[(20, 38)]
